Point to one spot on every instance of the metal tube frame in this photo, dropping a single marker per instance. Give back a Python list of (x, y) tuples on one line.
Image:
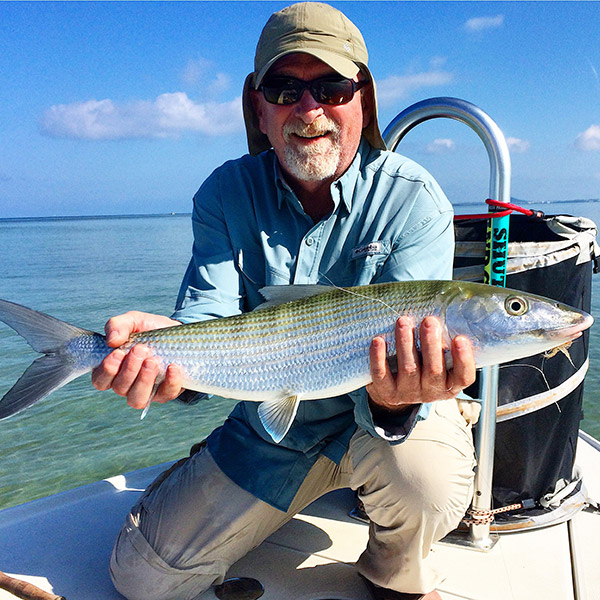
[(499, 189)]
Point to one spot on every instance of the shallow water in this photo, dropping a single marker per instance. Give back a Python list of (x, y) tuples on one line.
[(83, 271)]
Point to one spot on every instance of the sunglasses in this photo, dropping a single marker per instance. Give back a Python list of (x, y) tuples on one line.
[(325, 90)]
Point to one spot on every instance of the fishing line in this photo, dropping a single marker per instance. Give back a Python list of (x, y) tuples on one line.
[(543, 376), (353, 293), (532, 367)]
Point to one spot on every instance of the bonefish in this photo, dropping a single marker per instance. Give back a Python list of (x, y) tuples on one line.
[(304, 343)]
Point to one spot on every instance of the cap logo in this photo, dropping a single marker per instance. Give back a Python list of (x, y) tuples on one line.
[(347, 47)]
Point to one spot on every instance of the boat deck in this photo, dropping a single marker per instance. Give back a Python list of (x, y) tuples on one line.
[(62, 544)]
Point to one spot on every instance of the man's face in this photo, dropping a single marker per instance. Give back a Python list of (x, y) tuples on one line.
[(313, 141)]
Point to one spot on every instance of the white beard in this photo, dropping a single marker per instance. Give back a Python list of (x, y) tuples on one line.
[(318, 161)]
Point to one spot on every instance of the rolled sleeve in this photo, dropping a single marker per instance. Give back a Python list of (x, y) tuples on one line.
[(395, 428)]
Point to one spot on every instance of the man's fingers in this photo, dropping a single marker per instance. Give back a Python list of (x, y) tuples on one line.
[(377, 355), (388, 389), (171, 387), (134, 374), (433, 377), (382, 379), (103, 375), (420, 378), (463, 370), (118, 329), (130, 369), (409, 363), (141, 389)]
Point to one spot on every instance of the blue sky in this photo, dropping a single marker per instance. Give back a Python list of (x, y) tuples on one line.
[(111, 108)]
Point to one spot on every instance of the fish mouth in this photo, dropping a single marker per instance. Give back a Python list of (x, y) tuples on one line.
[(572, 332)]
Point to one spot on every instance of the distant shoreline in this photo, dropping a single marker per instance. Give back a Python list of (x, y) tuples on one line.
[(516, 201), (90, 217)]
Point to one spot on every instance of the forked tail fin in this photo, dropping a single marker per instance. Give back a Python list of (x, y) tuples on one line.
[(46, 335)]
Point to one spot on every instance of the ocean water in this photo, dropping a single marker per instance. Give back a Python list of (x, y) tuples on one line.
[(84, 270)]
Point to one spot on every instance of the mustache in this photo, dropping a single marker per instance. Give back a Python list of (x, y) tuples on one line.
[(316, 128)]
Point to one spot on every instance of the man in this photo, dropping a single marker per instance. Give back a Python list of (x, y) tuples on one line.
[(318, 199)]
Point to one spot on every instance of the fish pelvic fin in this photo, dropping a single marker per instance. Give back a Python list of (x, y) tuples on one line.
[(46, 335), (278, 415)]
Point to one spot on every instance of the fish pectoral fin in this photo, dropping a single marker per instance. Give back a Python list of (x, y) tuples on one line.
[(152, 394), (278, 415)]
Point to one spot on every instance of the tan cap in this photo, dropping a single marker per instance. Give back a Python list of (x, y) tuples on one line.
[(316, 29)]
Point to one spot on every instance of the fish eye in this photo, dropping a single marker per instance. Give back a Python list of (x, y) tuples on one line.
[(516, 306)]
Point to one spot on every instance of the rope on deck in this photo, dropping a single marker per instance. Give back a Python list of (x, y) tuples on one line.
[(483, 517)]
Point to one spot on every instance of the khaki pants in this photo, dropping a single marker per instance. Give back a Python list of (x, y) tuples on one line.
[(191, 525)]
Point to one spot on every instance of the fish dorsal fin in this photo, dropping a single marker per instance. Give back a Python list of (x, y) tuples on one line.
[(280, 294), (278, 415)]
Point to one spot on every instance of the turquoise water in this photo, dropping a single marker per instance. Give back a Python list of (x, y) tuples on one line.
[(83, 271)]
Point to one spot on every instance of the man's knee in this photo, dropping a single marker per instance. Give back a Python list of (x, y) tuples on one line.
[(424, 480), (138, 573)]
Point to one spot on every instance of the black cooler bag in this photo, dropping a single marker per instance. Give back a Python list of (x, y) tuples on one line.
[(540, 406)]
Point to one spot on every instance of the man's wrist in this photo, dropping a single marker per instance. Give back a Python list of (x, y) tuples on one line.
[(387, 410)]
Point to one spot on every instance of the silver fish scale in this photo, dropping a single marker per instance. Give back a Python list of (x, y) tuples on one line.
[(301, 347), (87, 351)]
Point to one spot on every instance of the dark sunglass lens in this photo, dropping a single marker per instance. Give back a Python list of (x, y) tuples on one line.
[(333, 91), (282, 91)]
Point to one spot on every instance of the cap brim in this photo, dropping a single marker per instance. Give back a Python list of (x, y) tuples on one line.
[(343, 66)]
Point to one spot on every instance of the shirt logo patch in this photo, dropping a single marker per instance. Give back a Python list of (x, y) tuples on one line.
[(367, 250)]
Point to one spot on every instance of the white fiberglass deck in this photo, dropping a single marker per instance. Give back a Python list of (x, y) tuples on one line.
[(62, 544)]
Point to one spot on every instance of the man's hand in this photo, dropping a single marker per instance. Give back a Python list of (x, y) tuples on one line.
[(419, 378), (134, 374)]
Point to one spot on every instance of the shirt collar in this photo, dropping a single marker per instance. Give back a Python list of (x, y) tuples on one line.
[(347, 182)]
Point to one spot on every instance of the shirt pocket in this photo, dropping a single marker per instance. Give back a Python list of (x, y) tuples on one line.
[(365, 263)]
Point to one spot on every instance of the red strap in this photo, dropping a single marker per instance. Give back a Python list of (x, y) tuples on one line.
[(508, 209)]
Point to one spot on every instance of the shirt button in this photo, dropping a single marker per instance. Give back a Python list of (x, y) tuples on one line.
[(309, 241)]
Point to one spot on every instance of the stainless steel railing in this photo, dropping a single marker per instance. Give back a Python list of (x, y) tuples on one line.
[(499, 189)]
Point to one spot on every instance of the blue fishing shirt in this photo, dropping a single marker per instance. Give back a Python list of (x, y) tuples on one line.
[(390, 222)]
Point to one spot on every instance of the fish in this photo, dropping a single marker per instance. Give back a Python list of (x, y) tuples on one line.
[(305, 342)]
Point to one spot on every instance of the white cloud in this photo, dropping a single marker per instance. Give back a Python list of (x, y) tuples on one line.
[(589, 140), (518, 146), (484, 23), (397, 87), (195, 70), (221, 84), (199, 71), (169, 115), (441, 145), (437, 62)]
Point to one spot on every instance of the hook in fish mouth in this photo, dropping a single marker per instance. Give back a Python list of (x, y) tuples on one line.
[(564, 349)]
